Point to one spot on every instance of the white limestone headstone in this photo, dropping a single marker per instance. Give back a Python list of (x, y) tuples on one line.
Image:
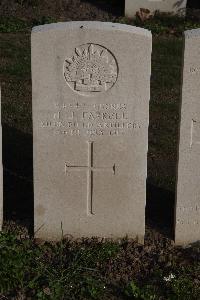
[(187, 227), (173, 6), (91, 89)]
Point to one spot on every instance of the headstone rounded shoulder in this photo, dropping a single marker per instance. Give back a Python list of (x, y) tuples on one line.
[(91, 90)]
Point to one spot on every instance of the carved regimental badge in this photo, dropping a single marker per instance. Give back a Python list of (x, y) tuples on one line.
[(91, 69)]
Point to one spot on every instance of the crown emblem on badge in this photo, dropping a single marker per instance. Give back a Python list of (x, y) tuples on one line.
[(91, 69)]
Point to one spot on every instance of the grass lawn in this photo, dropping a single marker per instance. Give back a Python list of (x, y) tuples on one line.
[(92, 268)]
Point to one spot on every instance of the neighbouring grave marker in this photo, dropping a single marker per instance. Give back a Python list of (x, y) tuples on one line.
[(174, 6), (91, 89), (188, 187)]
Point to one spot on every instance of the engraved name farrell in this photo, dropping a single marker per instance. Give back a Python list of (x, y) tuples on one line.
[(92, 115)]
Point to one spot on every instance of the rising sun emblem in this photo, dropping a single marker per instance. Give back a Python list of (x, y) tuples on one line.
[(91, 69)]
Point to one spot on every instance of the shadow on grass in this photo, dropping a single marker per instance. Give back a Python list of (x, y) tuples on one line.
[(160, 210), (18, 177)]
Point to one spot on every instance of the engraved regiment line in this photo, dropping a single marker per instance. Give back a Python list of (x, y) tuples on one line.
[(90, 170)]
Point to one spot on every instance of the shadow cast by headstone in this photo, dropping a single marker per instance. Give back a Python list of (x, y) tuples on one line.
[(160, 210), (195, 4), (18, 176), (115, 7)]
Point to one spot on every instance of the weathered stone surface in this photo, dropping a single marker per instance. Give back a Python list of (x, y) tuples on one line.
[(91, 89), (174, 6), (1, 171), (188, 187)]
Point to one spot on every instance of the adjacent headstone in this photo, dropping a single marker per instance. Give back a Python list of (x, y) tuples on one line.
[(173, 6), (188, 188), (1, 172), (91, 89)]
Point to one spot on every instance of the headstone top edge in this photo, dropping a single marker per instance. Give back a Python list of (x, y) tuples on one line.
[(92, 25), (192, 33)]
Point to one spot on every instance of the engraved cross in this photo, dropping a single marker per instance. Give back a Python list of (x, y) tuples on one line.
[(90, 170)]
